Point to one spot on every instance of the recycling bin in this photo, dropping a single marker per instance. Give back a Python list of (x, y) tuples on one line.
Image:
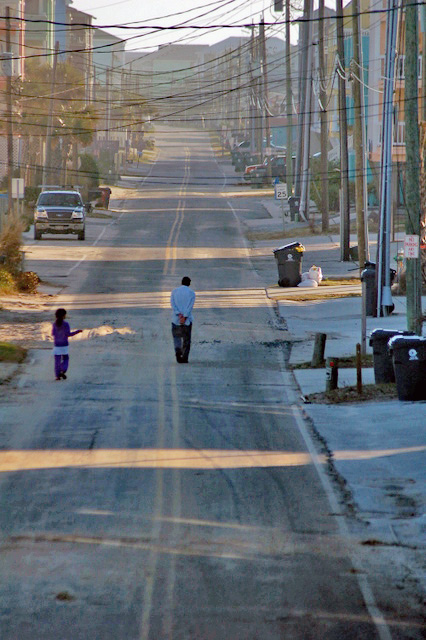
[(289, 263), (409, 362), (382, 360), (294, 204)]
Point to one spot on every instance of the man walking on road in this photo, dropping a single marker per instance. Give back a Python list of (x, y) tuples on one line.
[(182, 300)]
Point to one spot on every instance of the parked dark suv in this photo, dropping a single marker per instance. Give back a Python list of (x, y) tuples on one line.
[(272, 167), (59, 211)]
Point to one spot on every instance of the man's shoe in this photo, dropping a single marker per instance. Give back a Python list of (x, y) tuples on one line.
[(178, 355), (63, 376)]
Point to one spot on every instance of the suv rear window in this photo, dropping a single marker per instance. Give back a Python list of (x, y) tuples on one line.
[(60, 200)]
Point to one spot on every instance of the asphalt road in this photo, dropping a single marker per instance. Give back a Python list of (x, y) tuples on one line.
[(145, 500)]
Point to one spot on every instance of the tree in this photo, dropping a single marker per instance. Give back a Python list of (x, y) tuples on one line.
[(73, 123), (423, 202)]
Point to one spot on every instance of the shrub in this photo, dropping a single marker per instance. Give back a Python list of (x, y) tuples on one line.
[(12, 352), (10, 245), (333, 183), (7, 282), (30, 196), (89, 170), (28, 281)]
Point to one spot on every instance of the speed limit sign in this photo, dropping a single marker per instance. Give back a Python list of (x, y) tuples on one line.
[(280, 192)]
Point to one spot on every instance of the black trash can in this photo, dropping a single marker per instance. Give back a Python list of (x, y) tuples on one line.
[(294, 204), (409, 362), (289, 263), (368, 275), (382, 360)]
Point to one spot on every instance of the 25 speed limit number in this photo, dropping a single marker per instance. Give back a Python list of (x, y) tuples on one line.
[(281, 192)]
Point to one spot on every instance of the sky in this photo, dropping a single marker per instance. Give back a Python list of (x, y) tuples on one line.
[(162, 13)]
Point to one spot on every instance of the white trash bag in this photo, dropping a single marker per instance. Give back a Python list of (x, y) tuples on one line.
[(315, 273), (307, 281), (311, 278)]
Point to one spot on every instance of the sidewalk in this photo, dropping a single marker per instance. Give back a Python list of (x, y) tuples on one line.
[(379, 448)]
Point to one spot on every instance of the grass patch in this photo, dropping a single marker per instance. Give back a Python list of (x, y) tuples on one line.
[(12, 352), (304, 232), (320, 296), (370, 392), (98, 214), (348, 362), (332, 282)]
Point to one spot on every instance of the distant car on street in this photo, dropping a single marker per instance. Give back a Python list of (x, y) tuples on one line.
[(271, 167), (238, 150), (59, 211)]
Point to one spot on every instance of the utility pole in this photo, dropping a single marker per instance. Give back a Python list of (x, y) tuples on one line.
[(358, 137), (412, 211), (9, 115), (252, 96), (343, 127), (264, 70), (47, 167), (423, 22), (303, 66), (238, 93), (323, 122), (278, 6), (258, 95), (289, 103), (384, 294), (305, 183), (108, 104)]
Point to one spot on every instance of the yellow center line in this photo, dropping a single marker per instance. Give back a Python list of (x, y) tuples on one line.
[(161, 458), (156, 522), (171, 248), (175, 517)]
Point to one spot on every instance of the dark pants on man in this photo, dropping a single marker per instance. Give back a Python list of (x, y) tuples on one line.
[(182, 340)]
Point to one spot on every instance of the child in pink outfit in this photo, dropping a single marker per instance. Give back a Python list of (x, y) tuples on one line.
[(61, 332)]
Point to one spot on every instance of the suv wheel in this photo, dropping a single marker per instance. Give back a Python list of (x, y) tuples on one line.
[(82, 235), (37, 234)]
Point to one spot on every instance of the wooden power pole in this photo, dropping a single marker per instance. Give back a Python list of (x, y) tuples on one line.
[(358, 137), (343, 126), (47, 167), (323, 122), (289, 103), (9, 123), (412, 199)]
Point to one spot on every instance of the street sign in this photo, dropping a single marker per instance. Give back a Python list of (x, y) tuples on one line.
[(411, 246), (280, 192), (18, 188), (6, 58)]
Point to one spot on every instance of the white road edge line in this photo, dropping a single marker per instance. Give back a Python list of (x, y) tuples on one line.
[(364, 585), (100, 236), (377, 617)]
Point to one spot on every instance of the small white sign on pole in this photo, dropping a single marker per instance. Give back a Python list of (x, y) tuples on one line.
[(411, 246), (280, 192), (18, 188)]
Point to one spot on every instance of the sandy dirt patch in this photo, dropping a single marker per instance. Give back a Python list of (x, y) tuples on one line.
[(27, 321)]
